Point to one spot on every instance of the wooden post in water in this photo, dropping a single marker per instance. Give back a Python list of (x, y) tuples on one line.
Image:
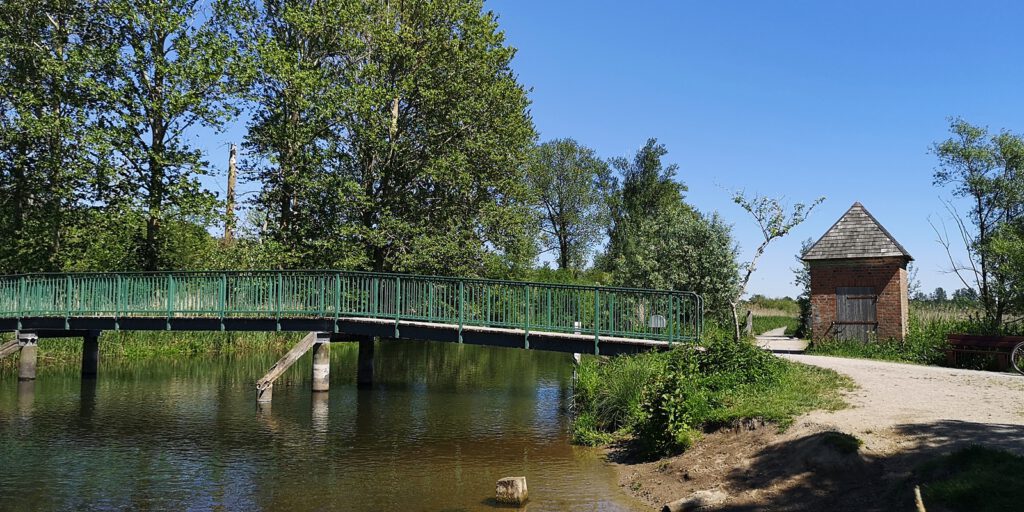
[(265, 386), (322, 366), (364, 372), (90, 354), (28, 356)]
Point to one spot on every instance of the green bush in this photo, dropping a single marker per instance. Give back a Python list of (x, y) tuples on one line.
[(663, 401), (609, 395), (686, 396)]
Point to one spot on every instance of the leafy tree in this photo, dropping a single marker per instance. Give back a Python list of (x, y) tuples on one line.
[(774, 221), (169, 75), (570, 185), (965, 296), (939, 295), (391, 136), (294, 57), (802, 279), (985, 170), (656, 240), (47, 128)]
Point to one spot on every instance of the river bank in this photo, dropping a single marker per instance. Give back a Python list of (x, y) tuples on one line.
[(905, 426)]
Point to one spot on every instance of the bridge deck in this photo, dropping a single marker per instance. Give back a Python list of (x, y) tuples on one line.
[(49, 327)]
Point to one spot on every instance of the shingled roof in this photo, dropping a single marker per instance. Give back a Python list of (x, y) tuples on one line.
[(856, 235)]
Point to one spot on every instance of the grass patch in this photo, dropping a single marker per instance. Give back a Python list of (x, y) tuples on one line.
[(800, 388), (763, 324), (974, 479), (664, 401)]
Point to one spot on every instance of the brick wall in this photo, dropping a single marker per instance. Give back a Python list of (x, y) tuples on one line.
[(888, 276)]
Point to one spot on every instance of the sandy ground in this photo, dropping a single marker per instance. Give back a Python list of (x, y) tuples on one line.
[(903, 415), (898, 406)]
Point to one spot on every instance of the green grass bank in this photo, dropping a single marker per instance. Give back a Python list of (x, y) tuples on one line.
[(662, 402), (132, 345), (974, 479)]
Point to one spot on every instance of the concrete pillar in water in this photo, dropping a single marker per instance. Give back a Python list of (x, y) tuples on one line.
[(321, 412), (26, 396), (28, 356), (265, 395), (322, 366), (90, 354), (364, 373)]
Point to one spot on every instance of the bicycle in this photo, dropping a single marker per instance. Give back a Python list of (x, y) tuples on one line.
[(1017, 357)]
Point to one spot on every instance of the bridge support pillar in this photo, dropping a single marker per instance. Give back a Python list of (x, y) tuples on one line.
[(322, 366), (265, 395), (364, 372), (28, 356), (90, 354)]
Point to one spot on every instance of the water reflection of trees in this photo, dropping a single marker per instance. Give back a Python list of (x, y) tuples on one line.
[(179, 433)]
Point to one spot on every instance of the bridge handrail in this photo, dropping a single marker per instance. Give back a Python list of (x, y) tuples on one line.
[(525, 305), (352, 272)]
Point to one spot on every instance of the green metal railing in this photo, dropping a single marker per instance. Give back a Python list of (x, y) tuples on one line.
[(531, 307)]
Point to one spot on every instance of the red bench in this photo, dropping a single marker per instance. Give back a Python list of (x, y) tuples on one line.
[(998, 347)]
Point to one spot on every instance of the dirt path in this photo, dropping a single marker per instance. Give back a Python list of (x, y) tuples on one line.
[(902, 414), (898, 406)]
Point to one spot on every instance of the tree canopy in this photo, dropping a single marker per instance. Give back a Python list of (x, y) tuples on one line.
[(570, 186)]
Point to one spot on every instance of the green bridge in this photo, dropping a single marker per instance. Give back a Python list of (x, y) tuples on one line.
[(341, 305)]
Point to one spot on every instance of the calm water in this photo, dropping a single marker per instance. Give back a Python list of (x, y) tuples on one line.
[(441, 425)]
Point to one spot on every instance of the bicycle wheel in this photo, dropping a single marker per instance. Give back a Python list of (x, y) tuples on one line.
[(1017, 357)]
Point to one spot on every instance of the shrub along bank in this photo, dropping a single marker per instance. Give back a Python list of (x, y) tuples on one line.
[(662, 402)]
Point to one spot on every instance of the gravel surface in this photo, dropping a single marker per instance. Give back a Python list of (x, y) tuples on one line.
[(901, 406)]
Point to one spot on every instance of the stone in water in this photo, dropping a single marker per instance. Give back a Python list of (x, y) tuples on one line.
[(512, 490)]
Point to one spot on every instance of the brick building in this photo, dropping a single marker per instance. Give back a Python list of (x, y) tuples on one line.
[(858, 280)]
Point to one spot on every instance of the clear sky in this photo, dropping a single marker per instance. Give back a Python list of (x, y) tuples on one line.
[(784, 98)]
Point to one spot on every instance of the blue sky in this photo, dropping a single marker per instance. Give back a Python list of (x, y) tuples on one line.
[(795, 99), (783, 98)]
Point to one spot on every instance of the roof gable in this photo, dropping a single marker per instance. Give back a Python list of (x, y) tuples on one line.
[(856, 235)]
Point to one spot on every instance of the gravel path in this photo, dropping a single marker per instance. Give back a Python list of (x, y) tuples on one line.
[(898, 407)]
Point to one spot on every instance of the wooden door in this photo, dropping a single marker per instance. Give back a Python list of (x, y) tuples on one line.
[(855, 313)]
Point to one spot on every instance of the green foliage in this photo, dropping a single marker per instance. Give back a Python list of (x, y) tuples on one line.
[(612, 392), (925, 342), (975, 479), (166, 73), (664, 401), (48, 132), (657, 240), (125, 345), (569, 184), (763, 324), (785, 305), (389, 137), (986, 169)]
